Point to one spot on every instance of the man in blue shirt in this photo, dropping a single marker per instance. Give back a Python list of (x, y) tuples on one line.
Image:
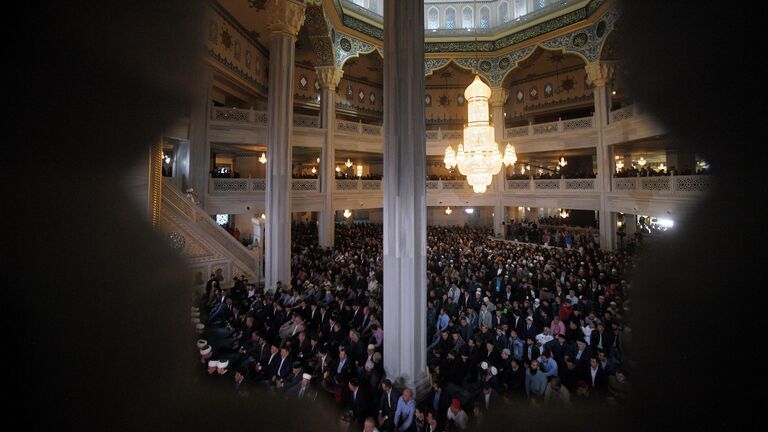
[(405, 409)]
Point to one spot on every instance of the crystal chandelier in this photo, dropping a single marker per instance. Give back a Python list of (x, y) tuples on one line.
[(348, 163), (347, 213), (478, 156), (562, 162), (448, 210), (641, 161), (263, 158)]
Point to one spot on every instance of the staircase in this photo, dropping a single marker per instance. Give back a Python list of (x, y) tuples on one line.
[(206, 246)]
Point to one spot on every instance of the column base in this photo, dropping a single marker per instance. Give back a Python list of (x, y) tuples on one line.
[(421, 384)]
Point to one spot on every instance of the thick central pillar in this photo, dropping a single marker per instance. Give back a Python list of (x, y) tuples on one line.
[(405, 207), (600, 74), (329, 77), (286, 17), (498, 99)]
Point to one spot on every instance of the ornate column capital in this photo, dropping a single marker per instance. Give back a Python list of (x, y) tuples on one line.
[(285, 16), (329, 76), (498, 97), (599, 73)]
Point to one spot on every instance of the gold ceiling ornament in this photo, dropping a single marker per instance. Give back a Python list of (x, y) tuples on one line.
[(478, 157)]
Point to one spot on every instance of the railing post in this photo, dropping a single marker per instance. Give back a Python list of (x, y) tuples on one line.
[(562, 183), (251, 115), (672, 185), (559, 124), (530, 183), (530, 127), (359, 183)]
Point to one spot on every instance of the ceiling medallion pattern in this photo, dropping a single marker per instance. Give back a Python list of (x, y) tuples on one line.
[(583, 42)]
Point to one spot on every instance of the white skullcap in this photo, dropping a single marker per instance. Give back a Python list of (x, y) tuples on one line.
[(223, 364), (195, 320), (494, 371), (485, 299), (484, 365), (201, 343), (205, 350), (194, 309), (195, 314), (213, 363), (200, 327), (307, 376), (371, 346)]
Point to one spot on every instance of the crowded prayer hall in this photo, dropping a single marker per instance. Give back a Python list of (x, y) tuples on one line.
[(410, 215)]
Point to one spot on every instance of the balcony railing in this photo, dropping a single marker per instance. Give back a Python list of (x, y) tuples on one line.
[(448, 185), (624, 113), (358, 128), (664, 185), (251, 185), (550, 128), (358, 185), (586, 184)]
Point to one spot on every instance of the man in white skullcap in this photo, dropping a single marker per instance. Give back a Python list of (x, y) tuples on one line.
[(221, 367), (205, 354)]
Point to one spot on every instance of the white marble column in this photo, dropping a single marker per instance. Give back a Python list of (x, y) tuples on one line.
[(196, 169), (286, 17), (498, 99), (329, 77), (600, 74), (405, 222)]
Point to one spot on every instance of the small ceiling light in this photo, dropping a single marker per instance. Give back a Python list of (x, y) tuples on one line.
[(263, 158), (448, 210), (318, 160), (263, 216), (338, 169), (348, 163), (347, 213), (562, 162), (564, 214), (613, 92), (469, 210), (314, 170)]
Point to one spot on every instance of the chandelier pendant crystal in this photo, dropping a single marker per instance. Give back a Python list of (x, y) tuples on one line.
[(478, 157)]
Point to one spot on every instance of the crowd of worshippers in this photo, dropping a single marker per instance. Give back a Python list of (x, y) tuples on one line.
[(564, 237), (506, 323)]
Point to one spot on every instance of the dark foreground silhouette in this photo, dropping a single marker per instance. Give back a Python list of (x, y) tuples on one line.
[(99, 323)]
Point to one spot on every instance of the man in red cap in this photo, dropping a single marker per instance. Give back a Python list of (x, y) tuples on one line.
[(457, 415)]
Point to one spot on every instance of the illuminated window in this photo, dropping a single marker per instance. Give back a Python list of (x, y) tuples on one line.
[(503, 12), (433, 19), (485, 17), (450, 18), (466, 18)]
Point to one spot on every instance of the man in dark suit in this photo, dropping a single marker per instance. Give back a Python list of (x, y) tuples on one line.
[(358, 405), (596, 377), (530, 351), (284, 364), (387, 405), (488, 399), (529, 329)]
